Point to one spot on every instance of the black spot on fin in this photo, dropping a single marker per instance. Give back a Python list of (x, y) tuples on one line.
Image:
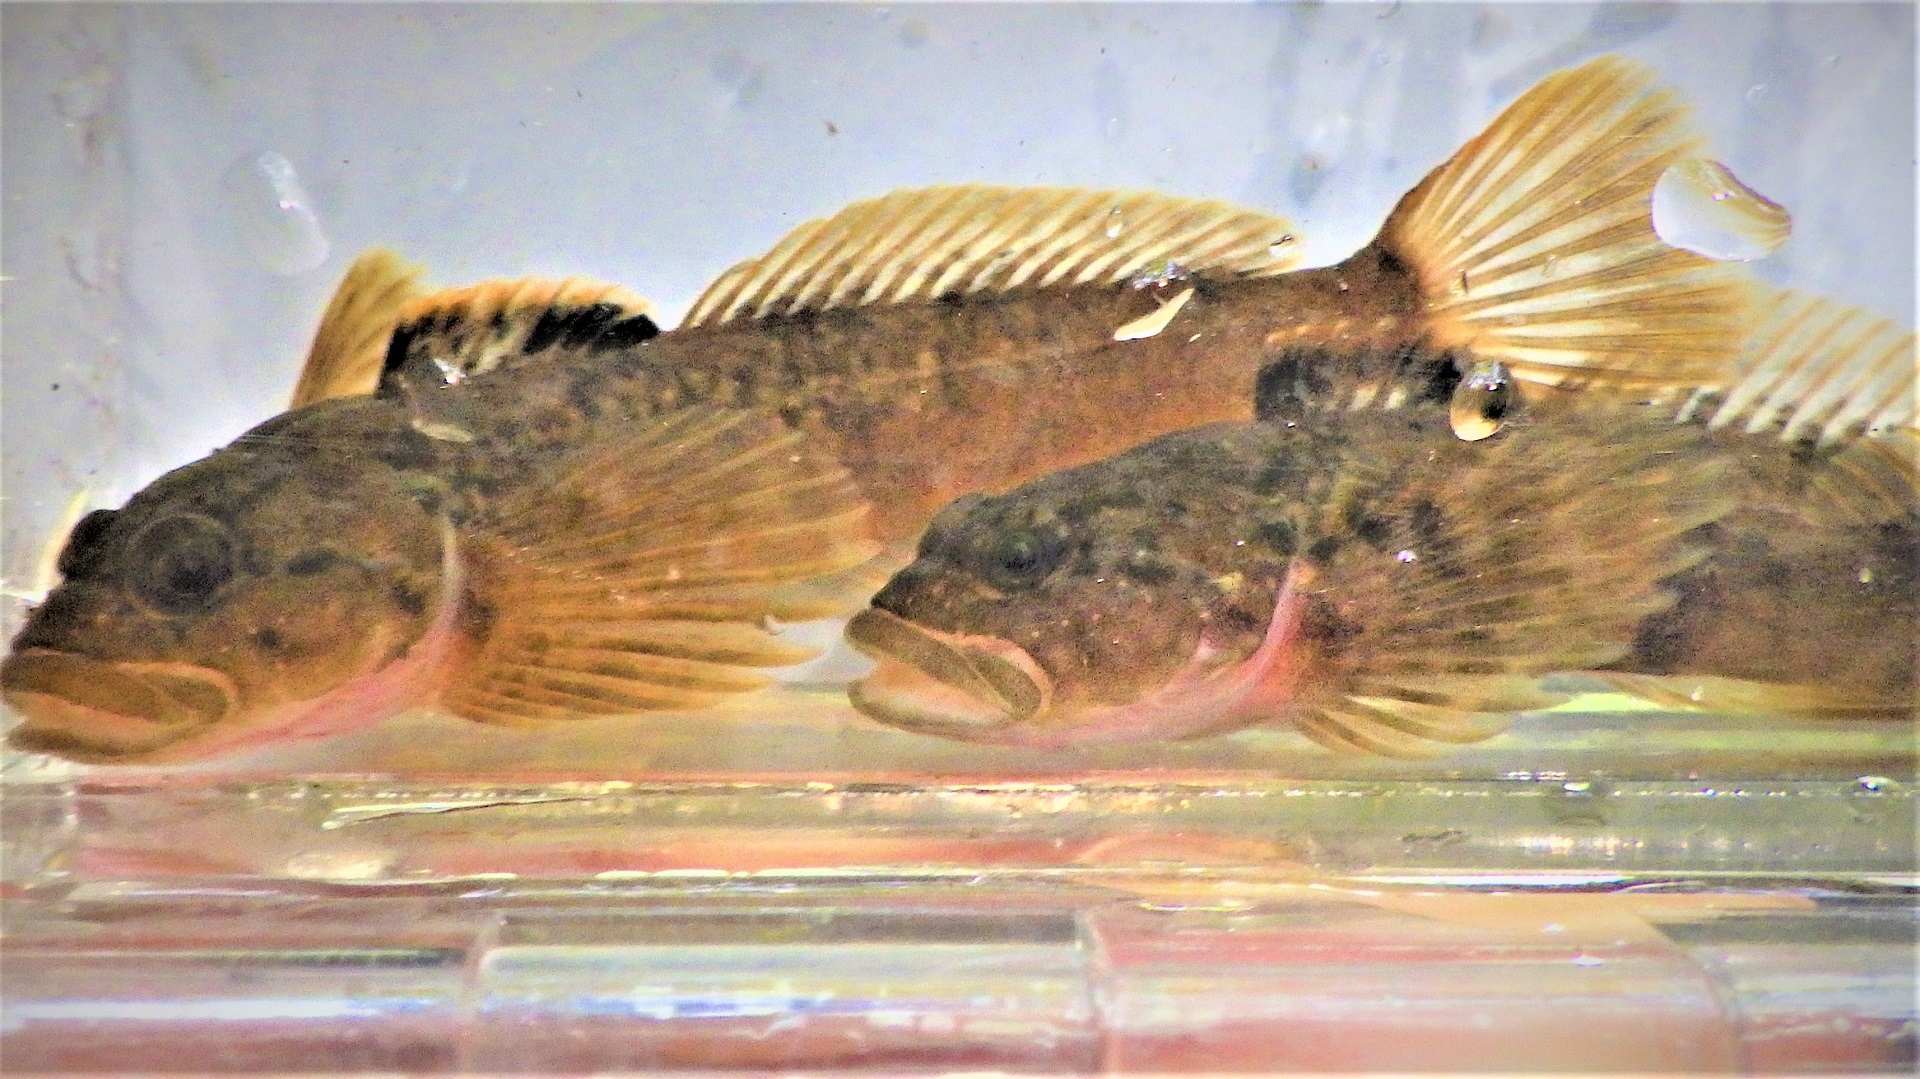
[(451, 336)]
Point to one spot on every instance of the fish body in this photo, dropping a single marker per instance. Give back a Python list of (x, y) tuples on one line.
[(520, 503), (1382, 584)]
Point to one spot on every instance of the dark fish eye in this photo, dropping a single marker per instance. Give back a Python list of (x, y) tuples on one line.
[(1022, 557), (178, 564), (83, 543)]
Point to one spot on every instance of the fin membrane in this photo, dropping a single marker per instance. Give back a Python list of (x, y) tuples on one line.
[(351, 342), (1455, 583), (1534, 245), (1733, 696), (966, 239), (458, 334), (645, 576), (1817, 370)]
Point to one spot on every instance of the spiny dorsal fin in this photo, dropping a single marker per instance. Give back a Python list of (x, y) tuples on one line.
[(459, 333), (1816, 368), (351, 342), (1534, 245), (643, 578), (1466, 581), (920, 244)]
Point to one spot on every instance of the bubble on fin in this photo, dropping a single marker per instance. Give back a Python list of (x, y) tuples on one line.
[(1116, 223), (1281, 247), (1481, 402), (275, 214), (1703, 207)]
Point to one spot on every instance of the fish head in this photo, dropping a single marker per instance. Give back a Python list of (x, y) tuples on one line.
[(219, 597), (1100, 603)]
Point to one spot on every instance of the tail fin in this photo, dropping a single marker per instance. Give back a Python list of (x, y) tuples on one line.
[(1534, 245)]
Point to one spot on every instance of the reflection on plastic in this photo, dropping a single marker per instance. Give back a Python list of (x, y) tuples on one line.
[(1703, 207), (274, 213)]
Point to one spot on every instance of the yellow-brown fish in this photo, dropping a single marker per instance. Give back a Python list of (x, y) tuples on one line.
[(1361, 573), (517, 503)]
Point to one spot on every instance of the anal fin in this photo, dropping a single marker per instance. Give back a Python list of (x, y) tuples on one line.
[(645, 576)]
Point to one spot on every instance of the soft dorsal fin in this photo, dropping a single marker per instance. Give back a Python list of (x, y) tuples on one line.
[(351, 342), (1534, 245), (964, 239), (643, 578), (459, 333), (1813, 368), (1479, 579)]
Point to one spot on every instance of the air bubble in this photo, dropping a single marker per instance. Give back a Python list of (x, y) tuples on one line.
[(1279, 248), (1481, 402), (1406, 557), (1756, 92), (1703, 207), (1116, 223), (1875, 783), (274, 213)]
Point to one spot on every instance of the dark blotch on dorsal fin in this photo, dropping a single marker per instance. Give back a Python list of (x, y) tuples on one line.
[(458, 334)]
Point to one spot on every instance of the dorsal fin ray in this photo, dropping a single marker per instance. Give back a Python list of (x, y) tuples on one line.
[(1814, 368), (350, 344), (456, 334), (1534, 244), (924, 243)]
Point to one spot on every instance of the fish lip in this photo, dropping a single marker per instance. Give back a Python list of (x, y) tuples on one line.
[(96, 710), (961, 686)]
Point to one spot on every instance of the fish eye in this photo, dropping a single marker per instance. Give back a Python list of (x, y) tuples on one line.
[(1023, 556), (180, 563)]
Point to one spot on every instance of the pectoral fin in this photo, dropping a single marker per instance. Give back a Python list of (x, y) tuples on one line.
[(644, 577), (1442, 596)]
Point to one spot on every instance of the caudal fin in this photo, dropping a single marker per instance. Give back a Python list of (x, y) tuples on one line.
[(1534, 245)]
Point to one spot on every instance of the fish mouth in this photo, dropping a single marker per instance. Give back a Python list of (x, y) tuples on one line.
[(96, 710), (959, 686)]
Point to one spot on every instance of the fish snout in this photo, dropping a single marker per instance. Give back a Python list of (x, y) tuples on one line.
[(968, 687), (97, 710)]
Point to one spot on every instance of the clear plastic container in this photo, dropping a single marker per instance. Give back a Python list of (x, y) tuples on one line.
[(779, 882)]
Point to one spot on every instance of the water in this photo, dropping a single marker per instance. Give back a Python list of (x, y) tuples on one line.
[(275, 216), (1703, 207)]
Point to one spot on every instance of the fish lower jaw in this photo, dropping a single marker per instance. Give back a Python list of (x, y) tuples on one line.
[(97, 711)]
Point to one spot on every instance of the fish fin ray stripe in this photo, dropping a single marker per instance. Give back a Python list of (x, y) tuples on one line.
[(460, 333), (1703, 693), (561, 629), (928, 242), (1534, 244), (1468, 591), (1814, 368), (350, 344)]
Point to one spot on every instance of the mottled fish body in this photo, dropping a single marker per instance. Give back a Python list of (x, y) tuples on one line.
[(518, 503), (1379, 583)]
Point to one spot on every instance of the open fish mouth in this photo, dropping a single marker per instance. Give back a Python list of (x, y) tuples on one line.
[(959, 686), (95, 710)]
